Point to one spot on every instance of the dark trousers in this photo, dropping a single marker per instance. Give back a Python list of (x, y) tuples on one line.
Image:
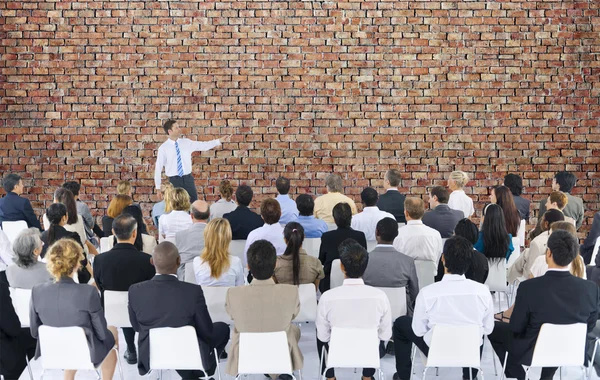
[(186, 182), (219, 339), (12, 369), (367, 372), (502, 341), (404, 337), (129, 335)]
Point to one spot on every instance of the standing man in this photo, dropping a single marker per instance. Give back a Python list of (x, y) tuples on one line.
[(175, 155)]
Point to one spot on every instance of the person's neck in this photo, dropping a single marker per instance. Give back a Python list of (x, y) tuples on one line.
[(435, 204), (380, 242), (167, 273), (553, 265), (130, 241), (194, 221), (408, 218), (173, 138)]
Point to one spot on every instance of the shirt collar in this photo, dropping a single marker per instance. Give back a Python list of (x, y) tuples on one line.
[(384, 246), (173, 142), (370, 208), (559, 269), (414, 223), (268, 281), (392, 189), (453, 277), (353, 281)]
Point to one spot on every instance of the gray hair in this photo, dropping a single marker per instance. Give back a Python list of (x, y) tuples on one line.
[(334, 183), (24, 245)]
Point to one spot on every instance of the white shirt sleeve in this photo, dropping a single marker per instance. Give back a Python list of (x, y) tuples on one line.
[(385, 325), (197, 274), (201, 146), (162, 221), (160, 163), (322, 324), (488, 318), (240, 279), (420, 319)]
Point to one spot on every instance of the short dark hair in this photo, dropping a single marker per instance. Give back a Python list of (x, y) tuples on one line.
[(283, 185), (566, 181), (553, 215), (441, 192), (342, 215), (354, 257), (243, 195), (514, 183), (168, 125), (199, 215), (123, 226), (270, 210), (262, 258), (10, 181), (305, 204), (73, 187), (564, 247), (369, 196), (458, 255), (467, 229), (387, 229)]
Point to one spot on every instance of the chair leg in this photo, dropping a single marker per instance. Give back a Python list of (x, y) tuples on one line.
[(527, 373), (470, 374), (412, 363), (480, 373), (493, 359), (560, 373), (29, 368), (437, 371), (218, 366), (424, 373), (119, 363), (504, 366), (591, 363), (299, 374)]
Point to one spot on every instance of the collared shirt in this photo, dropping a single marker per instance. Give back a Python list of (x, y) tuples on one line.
[(325, 203), (419, 241), (167, 156), (356, 305), (221, 207), (289, 211), (453, 301), (313, 227), (367, 220), (171, 223), (310, 270), (233, 276), (461, 201), (270, 232)]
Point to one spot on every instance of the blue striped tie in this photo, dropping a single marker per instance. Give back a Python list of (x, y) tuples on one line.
[(179, 163)]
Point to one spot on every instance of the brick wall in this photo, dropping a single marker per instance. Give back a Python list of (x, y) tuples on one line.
[(306, 87)]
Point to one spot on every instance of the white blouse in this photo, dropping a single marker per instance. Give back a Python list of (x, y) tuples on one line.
[(461, 201), (171, 223), (234, 276)]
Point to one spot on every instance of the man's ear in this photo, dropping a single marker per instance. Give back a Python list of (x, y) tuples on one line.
[(343, 268), (178, 261), (152, 261)]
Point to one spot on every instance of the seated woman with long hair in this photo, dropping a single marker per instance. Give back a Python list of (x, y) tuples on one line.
[(115, 208), (295, 266), (494, 241), (502, 196), (215, 266)]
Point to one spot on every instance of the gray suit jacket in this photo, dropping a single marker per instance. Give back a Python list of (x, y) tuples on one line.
[(190, 244), (27, 278), (574, 209), (443, 219)]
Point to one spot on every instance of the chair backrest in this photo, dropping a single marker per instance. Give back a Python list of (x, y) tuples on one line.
[(521, 233), (352, 348), (331, 226), (595, 251), (236, 248), (308, 303), (106, 244), (261, 353), (336, 277), (64, 348), (425, 272), (312, 246), (189, 275), (455, 346), (560, 345), (13, 229), (371, 244), (174, 348), (397, 297), (516, 253), (215, 301), (496, 279), (20, 300), (115, 308)]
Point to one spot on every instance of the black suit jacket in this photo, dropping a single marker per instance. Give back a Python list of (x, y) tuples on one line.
[(14, 207), (557, 298), (181, 304), (330, 241), (12, 357), (243, 221), (121, 267), (443, 219), (393, 202), (587, 248), (523, 206)]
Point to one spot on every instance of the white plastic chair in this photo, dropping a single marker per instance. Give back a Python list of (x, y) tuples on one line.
[(371, 244), (177, 348), (106, 244), (236, 248), (67, 348), (312, 246), (115, 308), (497, 282), (515, 254), (521, 233), (336, 277), (189, 275), (397, 298), (215, 302), (20, 300), (352, 348), (426, 271), (261, 353), (308, 303), (595, 251), (13, 229)]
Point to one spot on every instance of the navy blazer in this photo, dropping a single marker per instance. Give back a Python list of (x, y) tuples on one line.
[(243, 221), (393, 202), (14, 207)]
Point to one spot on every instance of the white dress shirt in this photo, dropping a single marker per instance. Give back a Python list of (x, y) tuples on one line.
[(453, 301), (356, 305), (270, 232), (171, 223), (419, 241), (461, 201), (234, 276), (221, 207), (167, 156), (289, 211), (366, 221)]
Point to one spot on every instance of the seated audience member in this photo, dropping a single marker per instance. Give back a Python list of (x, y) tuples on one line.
[(502, 196), (522, 266), (124, 188), (121, 267), (84, 211), (440, 217), (353, 304), (28, 271), (13, 207), (416, 240), (159, 208), (263, 306), (325, 203), (181, 304), (546, 299), (389, 268), (225, 204), (177, 217), (115, 208), (143, 241), (16, 343), (190, 242), (366, 221), (65, 303), (243, 220), (295, 266), (392, 201), (330, 241), (556, 201), (455, 300), (289, 212), (458, 199), (515, 185), (313, 227), (214, 266), (564, 182), (577, 266), (57, 216), (271, 231), (587, 248), (494, 241)]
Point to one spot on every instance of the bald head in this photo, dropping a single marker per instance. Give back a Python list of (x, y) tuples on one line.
[(200, 211), (166, 258)]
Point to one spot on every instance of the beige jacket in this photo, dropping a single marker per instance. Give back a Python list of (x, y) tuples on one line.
[(325, 203)]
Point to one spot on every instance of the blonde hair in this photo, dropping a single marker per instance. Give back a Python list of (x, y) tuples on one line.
[(217, 236), (460, 178), (566, 226), (177, 199), (165, 186), (124, 187), (414, 207), (577, 265), (118, 203), (63, 258)]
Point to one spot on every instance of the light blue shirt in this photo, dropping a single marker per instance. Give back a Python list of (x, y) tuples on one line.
[(313, 227), (157, 210), (289, 212)]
